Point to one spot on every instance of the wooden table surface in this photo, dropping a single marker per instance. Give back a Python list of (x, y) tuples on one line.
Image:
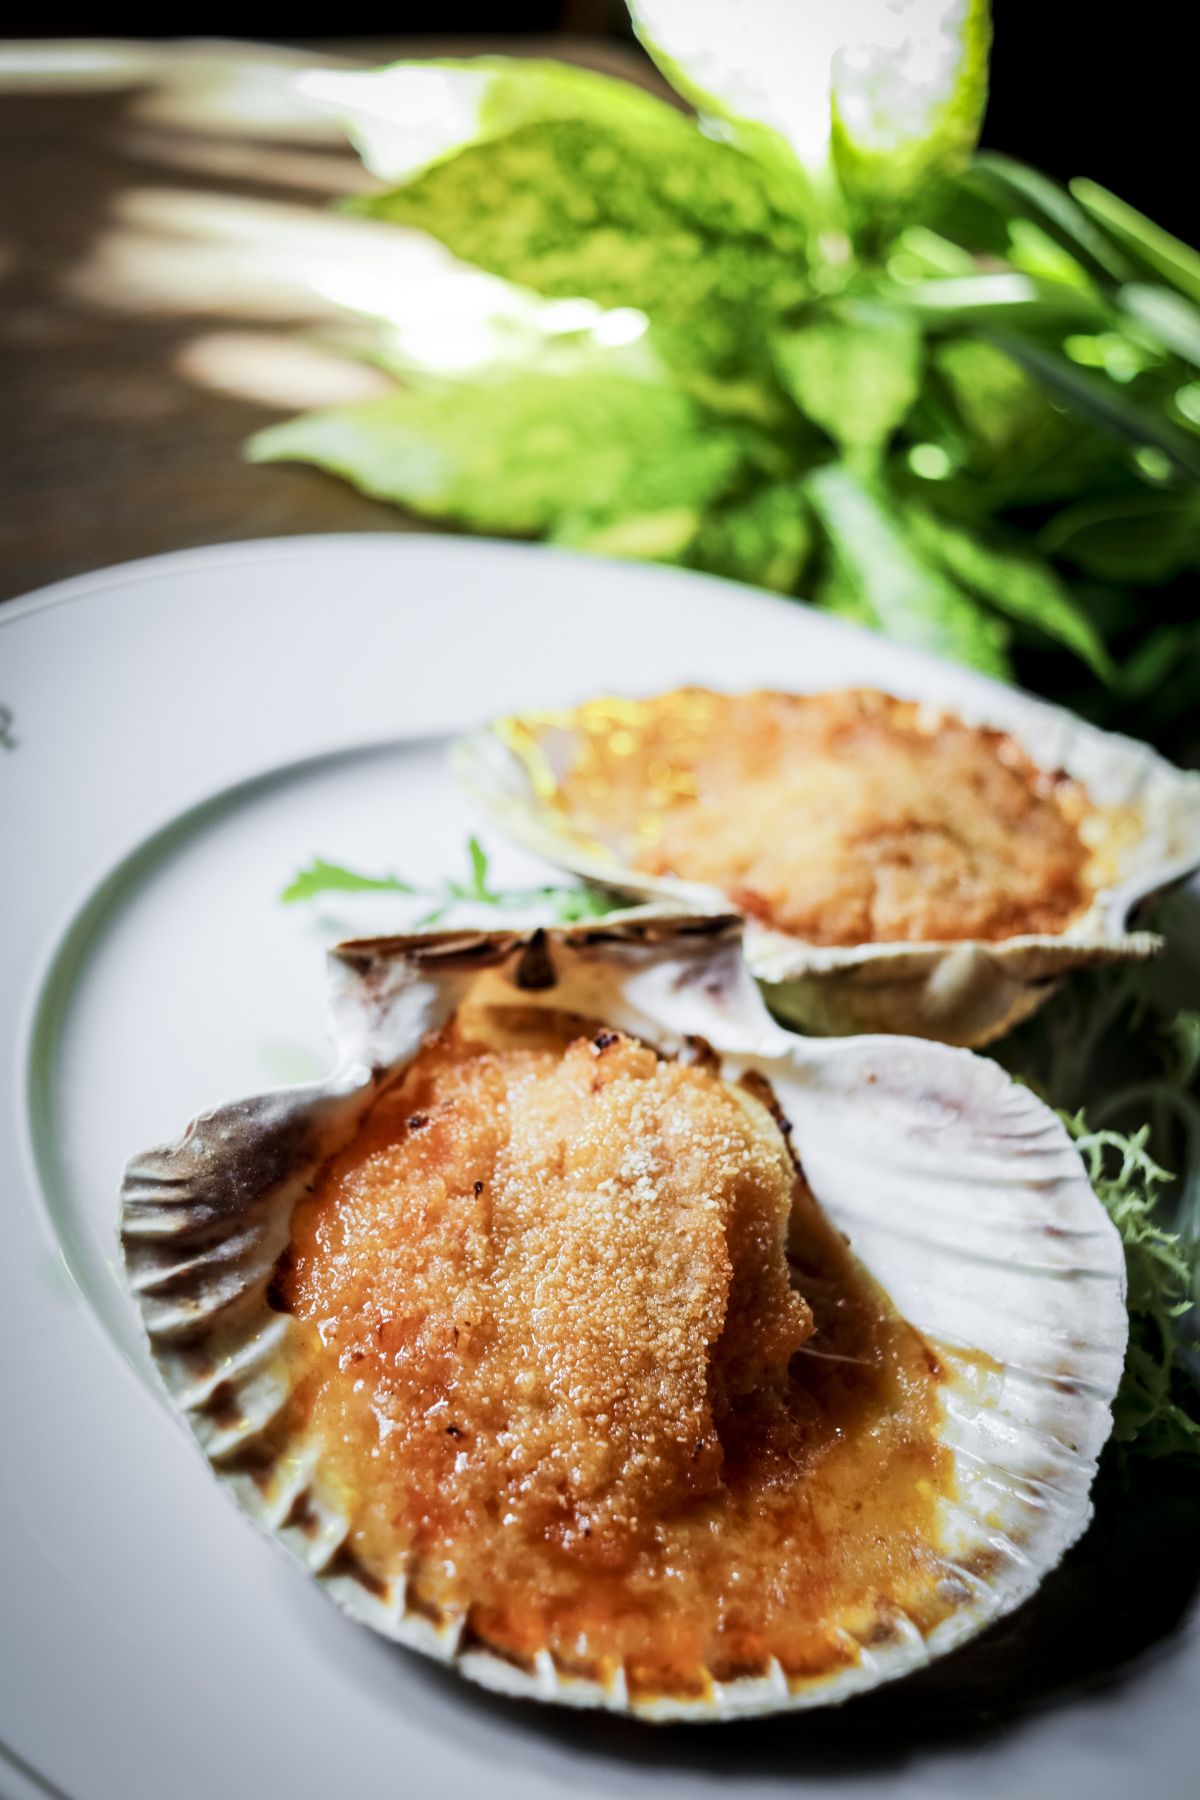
[(165, 223)]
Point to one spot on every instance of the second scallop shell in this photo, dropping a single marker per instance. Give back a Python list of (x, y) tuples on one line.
[(1139, 825)]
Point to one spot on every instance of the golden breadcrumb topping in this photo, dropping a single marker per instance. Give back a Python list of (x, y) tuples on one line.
[(554, 1357), (841, 818)]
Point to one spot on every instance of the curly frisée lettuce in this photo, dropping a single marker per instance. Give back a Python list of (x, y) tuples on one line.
[(1157, 1410), (1121, 1066)]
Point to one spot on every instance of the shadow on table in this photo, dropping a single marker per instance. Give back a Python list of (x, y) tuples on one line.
[(1117, 1600)]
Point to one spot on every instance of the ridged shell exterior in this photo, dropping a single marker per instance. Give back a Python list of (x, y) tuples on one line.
[(961, 992), (959, 1191)]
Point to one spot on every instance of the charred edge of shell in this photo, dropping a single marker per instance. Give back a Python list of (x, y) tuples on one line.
[(466, 950)]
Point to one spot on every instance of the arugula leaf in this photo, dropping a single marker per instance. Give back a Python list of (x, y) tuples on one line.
[(1018, 584), (323, 877), (854, 370), (1155, 250), (838, 593), (526, 452), (1146, 537), (409, 115), (477, 888), (1162, 681), (912, 601), (691, 238), (575, 903), (565, 903)]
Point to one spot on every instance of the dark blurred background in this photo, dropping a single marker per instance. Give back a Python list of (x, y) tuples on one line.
[(1098, 91)]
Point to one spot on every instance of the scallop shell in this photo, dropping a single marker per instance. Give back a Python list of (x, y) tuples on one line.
[(962, 992), (961, 1193)]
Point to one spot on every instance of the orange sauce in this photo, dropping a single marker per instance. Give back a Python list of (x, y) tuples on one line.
[(593, 1366)]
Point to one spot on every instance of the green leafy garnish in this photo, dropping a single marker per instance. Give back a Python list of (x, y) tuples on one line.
[(1088, 1054), (323, 877), (1156, 1405), (564, 904), (688, 232)]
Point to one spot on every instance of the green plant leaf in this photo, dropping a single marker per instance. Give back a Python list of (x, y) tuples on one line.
[(837, 592), (409, 115), (693, 238), (997, 400), (1155, 250), (1132, 538), (1018, 584), (854, 371), (868, 102), (906, 114), (1099, 400), (651, 537), (1161, 651), (522, 454), (1002, 298), (765, 538), (1174, 321), (1026, 192), (737, 66), (908, 598), (1162, 679), (323, 877)]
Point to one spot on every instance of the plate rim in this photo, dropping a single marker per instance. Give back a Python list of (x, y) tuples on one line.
[(291, 548)]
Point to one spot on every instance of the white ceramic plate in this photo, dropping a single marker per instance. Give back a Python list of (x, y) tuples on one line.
[(186, 733)]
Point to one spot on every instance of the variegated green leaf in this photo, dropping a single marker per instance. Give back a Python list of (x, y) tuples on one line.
[(693, 239), (908, 598), (854, 371), (524, 453)]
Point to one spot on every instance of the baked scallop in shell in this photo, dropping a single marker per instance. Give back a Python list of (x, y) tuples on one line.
[(590, 1332), (900, 867)]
